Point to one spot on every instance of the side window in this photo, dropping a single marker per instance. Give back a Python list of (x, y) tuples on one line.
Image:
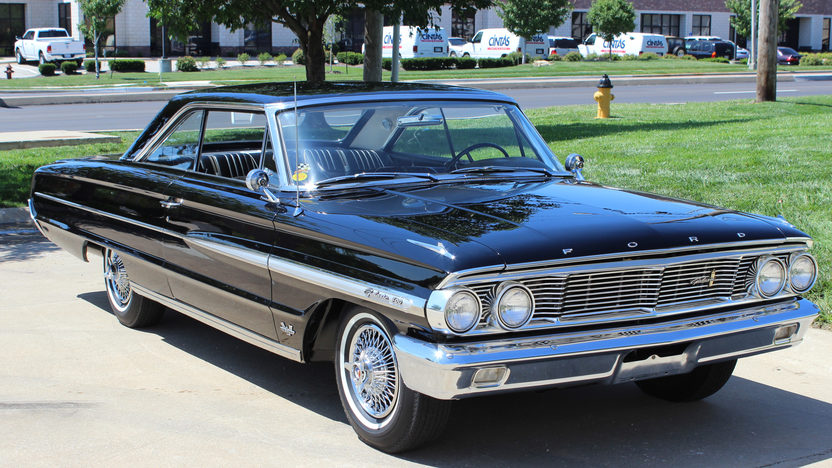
[(29, 35), (180, 148), (233, 143), (477, 38), (590, 40)]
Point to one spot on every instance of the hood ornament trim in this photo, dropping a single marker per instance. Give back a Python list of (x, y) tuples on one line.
[(438, 248)]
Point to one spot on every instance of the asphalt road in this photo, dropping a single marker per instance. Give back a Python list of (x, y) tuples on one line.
[(136, 115), (78, 389)]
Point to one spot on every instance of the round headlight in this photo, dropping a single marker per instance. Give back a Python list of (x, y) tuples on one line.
[(462, 311), (771, 276), (803, 271), (513, 305)]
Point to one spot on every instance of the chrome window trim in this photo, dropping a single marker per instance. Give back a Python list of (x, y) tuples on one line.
[(174, 120), (365, 98), (537, 268)]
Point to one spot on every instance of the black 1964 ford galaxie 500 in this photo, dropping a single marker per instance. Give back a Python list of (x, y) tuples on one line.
[(426, 240)]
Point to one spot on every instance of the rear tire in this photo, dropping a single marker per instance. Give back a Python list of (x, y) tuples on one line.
[(381, 409), (680, 53), (132, 310), (452, 54), (701, 383), (19, 57), (41, 58)]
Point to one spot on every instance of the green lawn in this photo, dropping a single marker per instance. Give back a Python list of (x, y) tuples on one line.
[(771, 158), (342, 73)]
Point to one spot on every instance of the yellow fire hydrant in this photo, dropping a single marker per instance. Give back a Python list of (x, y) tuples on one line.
[(603, 96)]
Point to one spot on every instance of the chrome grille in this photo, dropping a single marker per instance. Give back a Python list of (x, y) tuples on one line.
[(576, 296)]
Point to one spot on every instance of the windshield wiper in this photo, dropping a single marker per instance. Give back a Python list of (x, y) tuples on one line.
[(369, 176), (495, 169)]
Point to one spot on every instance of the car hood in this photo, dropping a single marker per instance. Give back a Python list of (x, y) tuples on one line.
[(469, 225)]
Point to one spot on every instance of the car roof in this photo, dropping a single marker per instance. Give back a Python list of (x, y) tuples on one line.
[(283, 92)]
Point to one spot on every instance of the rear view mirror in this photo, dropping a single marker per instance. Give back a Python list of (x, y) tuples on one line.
[(421, 120)]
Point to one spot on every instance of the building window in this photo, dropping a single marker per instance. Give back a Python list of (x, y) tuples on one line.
[(824, 43), (463, 25), (257, 38), (580, 26), (667, 25), (701, 25), (65, 17), (12, 24)]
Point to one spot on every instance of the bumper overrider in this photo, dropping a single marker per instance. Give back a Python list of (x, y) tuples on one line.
[(611, 355)]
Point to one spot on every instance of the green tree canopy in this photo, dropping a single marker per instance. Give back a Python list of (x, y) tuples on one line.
[(610, 18), (95, 14), (742, 11), (529, 17)]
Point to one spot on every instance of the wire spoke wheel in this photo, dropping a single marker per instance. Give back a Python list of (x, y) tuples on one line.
[(373, 378), (117, 281)]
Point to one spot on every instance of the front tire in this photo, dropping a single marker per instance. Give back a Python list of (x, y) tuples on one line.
[(19, 57), (132, 310), (701, 383), (680, 53), (381, 409)]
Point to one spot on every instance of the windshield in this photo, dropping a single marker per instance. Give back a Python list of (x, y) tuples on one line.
[(395, 139)]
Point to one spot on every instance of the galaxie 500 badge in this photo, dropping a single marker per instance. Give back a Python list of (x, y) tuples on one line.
[(387, 298)]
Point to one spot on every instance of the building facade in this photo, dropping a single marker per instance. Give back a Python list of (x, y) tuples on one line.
[(131, 32)]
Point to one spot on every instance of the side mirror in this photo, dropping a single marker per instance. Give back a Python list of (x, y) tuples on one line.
[(574, 164), (257, 180)]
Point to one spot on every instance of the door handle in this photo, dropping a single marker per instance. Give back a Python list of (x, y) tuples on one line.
[(168, 204)]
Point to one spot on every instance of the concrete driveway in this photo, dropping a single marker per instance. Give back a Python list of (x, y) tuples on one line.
[(78, 389)]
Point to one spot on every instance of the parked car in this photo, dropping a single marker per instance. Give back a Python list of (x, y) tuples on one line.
[(455, 46), (562, 45), (48, 45), (787, 56), (631, 43), (710, 49), (675, 45), (425, 240), (741, 53)]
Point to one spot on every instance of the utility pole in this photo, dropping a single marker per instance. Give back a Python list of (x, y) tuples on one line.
[(373, 25), (752, 52), (397, 42), (767, 50)]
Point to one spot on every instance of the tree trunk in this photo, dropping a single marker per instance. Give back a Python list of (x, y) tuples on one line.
[(767, 51), (315, 57), (373, 24)]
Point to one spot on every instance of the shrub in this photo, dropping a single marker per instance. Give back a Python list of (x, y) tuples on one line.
[(280, 59), (670, 57), (298, 57), (687, 57), (243, 58), (264, 58), (350, 58), (517, 58), (187, 64), (203, 62), (387, 64), (573, 57), (465, 63), (811, 60), (589, 57), (648, 56), (716, 59), (89, 65), (555, 58), (121, 53), (495, 62), (220, 62), (428, 63), (69, 68), (127, 65), (629, 58), (47, 69)]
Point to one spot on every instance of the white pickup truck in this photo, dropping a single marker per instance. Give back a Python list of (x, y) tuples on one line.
[(48, 45)]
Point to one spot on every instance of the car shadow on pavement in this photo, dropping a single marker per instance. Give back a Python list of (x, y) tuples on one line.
[(22, 245), (747, 423)]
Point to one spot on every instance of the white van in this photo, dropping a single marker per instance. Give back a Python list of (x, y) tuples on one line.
[(631, 43), (538, 46), (492, 43), (416, 42)]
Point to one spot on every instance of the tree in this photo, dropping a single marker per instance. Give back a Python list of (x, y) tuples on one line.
[(767, 48), (527, 18), (741, 21), (610, 18), (95, 14)]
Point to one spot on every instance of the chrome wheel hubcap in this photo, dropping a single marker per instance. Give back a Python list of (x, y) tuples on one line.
[(372, 371), (118, 283)]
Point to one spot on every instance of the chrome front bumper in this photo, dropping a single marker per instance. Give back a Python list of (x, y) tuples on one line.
[(613, 355)]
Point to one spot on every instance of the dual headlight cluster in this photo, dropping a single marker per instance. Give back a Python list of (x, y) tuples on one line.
[(773, 274), (461, 309)]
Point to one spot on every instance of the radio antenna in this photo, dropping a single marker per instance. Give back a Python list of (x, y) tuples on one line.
[(296, 176)]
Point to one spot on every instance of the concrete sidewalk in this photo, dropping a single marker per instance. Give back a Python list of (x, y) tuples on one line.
[(46, 138), (30, 97)]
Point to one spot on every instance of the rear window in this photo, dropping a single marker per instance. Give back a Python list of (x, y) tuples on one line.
[(456, 41), (566, 43), (53, 33)]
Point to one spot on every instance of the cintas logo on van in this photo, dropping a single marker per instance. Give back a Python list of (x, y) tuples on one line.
[(432, 37), (501, 41), (655, 44), (615, 44), (388, 39)]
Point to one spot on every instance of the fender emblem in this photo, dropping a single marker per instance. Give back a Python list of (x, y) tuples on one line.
[(709, 280), (693, 239), (287, 329)]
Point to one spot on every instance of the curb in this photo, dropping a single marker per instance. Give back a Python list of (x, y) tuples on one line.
[(15, 216), (47, 99)]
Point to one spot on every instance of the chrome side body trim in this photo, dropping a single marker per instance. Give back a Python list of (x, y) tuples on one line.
[(108, 215), (350, 287), (446, 371), (222, 325), (252, 257), (524, 268)]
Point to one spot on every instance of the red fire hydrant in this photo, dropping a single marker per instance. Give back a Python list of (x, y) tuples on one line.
[(9, 71)]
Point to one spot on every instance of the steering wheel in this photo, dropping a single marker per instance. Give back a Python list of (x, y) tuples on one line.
[(468, 150)]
